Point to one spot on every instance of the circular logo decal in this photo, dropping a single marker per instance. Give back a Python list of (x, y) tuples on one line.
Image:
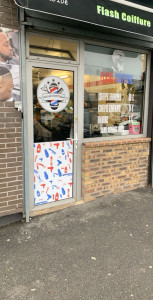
[(53, 94)]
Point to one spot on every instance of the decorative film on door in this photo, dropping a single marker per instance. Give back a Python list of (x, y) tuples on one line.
[(53, 166), (53, 133)]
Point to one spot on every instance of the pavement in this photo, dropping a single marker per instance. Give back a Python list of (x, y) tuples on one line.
[(98, 250)]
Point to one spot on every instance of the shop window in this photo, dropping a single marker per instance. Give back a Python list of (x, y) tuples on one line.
[(50, 47), (114, 82)]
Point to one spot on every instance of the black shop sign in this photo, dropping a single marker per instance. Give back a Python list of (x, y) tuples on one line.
[(103, 13), (146, 3)]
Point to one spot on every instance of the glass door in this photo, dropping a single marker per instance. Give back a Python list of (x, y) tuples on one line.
[(53, 134)]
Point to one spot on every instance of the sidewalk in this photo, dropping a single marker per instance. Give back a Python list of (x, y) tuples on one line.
[(99, 250)]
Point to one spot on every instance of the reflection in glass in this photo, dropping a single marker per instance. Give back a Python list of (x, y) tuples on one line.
[(52, 126), (41, 51), (50, 47), (113, 92)]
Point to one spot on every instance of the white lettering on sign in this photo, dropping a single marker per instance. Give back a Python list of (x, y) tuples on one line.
[(109, 108), (130, 118), (60, 1), (114, 108), (131, 97), (115, 97), (103, 96), (109, 96), (102, 119), (103, 108), (103, 130), (131, 107), (112, 129)]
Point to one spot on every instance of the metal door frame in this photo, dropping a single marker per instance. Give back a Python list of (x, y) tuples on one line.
[(29, 131)]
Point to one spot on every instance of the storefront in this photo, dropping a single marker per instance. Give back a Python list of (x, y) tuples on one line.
[(86, 100)]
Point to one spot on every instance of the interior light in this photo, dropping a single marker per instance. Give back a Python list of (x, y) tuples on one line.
[(63, 77)]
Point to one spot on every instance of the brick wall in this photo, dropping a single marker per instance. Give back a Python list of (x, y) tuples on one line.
[(8, 14), (114, 166), (11, 193), (11, 197)]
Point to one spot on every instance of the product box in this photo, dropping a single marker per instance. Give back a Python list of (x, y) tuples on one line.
[(134, 128)]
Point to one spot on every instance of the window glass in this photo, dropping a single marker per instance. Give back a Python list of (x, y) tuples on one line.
[(113, 92), (50, 47), (52, 126)]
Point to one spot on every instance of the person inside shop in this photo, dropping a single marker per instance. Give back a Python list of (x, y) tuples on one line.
[(61, 126), (41, 134), (118, 58), (6, 84)]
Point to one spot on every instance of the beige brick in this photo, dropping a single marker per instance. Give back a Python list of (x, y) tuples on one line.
[(118, 167)]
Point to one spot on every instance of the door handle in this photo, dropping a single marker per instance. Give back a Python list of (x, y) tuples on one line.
[(74, 140)]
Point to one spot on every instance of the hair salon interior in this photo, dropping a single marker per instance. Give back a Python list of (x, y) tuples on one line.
[(79, 125)]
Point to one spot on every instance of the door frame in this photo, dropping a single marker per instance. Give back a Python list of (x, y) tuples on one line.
[(28, 123)]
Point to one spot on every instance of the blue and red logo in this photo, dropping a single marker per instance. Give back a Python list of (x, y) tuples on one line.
[(53, 94)]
